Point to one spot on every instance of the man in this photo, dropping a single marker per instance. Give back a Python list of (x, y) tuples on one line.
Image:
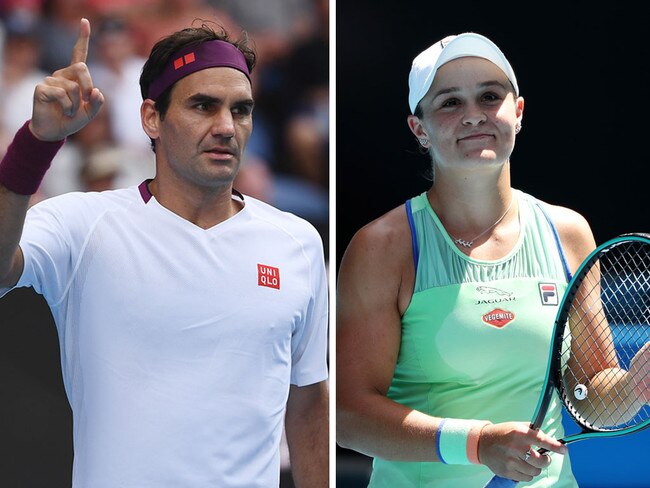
[(191, 319)]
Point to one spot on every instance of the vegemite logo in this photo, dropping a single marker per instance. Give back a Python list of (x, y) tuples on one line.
[(498, 318), (268, 276), (548, 293)]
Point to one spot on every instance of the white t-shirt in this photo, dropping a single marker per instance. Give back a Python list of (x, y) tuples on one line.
[(178, 344)]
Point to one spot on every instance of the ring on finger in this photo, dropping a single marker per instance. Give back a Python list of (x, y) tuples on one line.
[(527, 455)]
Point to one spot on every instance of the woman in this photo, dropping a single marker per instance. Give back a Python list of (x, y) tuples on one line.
[(442, 332)]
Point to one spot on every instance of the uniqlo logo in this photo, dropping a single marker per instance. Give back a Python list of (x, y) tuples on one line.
[(182, 61), (268, 276)]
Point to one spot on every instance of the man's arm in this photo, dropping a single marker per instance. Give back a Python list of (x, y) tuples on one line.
[(63, 104), (307, 429), (13, 208)]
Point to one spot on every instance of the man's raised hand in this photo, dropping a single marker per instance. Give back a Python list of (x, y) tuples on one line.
[(66, 101)]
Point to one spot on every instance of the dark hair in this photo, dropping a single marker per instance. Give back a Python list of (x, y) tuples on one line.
[(163, 50)]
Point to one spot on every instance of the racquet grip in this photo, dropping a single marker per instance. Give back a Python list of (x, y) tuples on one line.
[(499, 482)]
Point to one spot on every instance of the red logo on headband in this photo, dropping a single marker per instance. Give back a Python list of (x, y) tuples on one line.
[(182, 61)]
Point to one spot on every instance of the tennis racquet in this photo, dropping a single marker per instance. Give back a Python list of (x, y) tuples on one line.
[(599, 363)]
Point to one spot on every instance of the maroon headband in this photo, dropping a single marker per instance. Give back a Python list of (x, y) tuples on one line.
[(193, 58)]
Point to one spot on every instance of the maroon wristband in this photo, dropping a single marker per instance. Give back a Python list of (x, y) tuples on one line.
[(26, 161)]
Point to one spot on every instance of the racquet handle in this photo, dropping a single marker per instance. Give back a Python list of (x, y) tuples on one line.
[(499, 482)]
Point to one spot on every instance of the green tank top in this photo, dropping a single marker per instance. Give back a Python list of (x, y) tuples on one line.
[(475, 341)]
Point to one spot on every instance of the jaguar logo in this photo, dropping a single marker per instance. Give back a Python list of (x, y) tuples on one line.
[(490, 290), (497, 295)]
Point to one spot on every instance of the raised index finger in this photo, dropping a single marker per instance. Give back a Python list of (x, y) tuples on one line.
[(80, 49)]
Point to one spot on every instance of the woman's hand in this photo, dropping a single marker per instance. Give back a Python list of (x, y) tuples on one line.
[(510, 450)]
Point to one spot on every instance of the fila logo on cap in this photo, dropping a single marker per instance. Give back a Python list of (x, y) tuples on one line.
[(183, 60), (268, 276), (548, 293)]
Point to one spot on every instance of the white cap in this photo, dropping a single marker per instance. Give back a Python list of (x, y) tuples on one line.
[(426, 64)]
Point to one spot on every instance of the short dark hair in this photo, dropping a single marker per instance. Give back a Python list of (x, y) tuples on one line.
[(163, 50)]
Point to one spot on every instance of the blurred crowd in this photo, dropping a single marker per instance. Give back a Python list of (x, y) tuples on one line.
[(286, 163)]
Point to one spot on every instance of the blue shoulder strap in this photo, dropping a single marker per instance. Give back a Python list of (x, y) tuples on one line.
[(414, 236), (565, 263)]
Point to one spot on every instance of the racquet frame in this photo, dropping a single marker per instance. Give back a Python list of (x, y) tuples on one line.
[(553, 372)]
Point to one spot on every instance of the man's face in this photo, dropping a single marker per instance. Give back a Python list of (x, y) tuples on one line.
[(202, 137)]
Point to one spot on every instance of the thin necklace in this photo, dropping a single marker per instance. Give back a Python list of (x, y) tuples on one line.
[(470, 243)]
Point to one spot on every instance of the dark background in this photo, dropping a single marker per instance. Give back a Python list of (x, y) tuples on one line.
[(582, 69), (35, 418)]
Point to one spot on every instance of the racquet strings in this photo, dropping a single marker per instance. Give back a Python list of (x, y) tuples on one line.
[(612, 303)]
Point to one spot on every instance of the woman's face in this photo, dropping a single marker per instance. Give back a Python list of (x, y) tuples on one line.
[(469, 116)]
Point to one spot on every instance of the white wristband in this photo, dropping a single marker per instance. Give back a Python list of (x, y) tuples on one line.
[(457, 440)]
